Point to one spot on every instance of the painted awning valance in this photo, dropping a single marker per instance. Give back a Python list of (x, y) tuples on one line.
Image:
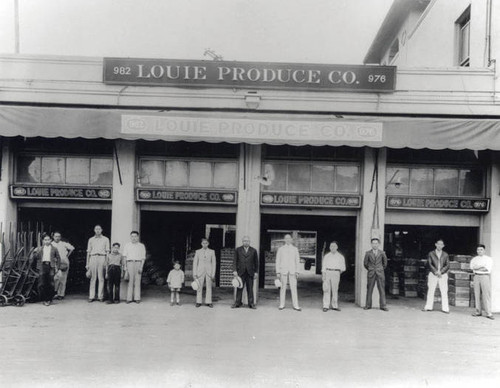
[(252, 128)]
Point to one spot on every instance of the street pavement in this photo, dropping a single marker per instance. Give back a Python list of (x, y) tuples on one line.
[(74, 343)]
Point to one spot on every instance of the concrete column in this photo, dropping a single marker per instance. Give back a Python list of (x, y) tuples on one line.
[(367, 219), (248, 213), (490, 230), (8, 208)]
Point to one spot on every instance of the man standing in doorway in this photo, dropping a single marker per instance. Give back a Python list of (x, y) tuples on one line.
[(287, 269), (65, 249), (204, 265), (134, 254), (332, 266), (47, 262), (97, 249), (375, 263), (246, 264), (482, 265), (439, 264)]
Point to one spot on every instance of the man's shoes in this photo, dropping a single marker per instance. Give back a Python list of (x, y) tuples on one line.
[(366, 308), (325, 310), (336, 309), (297, 309), (129, 301), (446, 312), (426, 310), (252, 306), (384, 309), (91, 300), (281, 308), (476, 314), (198, 304), (101, 300), (137, 301), (117, 301), (171, 303), (210, 305), (109, 302), (490, 317), (178, 304), (236, 306), (46, 303)]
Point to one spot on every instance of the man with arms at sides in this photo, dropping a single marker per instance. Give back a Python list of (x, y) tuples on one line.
[(97, 249), (246, 264), (47, 262), (375, 263), (439, 264), (134, 255), (482, 265), (287, 269), (204, 265), (65, 249), (332, 266)]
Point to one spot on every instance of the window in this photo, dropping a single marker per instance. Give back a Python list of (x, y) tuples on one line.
[(64, 170), (435, 181), (185, 173), (312, 177), (463, 32)]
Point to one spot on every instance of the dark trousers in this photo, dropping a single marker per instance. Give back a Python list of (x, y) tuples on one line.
[(114, 279), (46, 283), (380, 280), (248, 282)]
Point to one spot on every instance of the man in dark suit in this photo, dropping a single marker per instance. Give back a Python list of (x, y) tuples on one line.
[(375, 263), (48, 262), (246, 264)]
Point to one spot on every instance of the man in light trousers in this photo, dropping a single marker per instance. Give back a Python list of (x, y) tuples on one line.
[(439, 264), (134, 254), (97, 249), (65, 249), (204, 266), (332, 266), (287, 269), (482, 265)]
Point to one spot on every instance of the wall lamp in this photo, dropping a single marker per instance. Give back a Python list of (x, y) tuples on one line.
[(252, 100)]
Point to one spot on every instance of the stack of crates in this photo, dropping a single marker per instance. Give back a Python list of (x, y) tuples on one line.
[(422, 278), (394, 284), (459, 281), (188, 269), (410, 278), (270, 270), (226, 267)]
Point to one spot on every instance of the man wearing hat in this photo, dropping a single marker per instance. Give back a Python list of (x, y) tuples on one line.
[(287, 269), (204, 265), (246, 263)]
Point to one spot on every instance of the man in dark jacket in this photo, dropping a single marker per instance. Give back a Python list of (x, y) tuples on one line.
[(439, 265), (48, 262), (375, 263), (246, 264)]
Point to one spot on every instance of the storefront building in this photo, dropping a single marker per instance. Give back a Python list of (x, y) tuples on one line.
[(184, 149)]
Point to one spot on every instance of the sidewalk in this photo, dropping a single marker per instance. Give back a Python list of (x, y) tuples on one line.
[(75, 343)]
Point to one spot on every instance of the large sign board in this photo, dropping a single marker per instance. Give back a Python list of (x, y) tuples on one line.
[(438, 203), (254, 75), (310, 200), (60, 192), (188, 196)]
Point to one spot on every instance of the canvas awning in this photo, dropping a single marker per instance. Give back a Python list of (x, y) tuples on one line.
[(252, 128)]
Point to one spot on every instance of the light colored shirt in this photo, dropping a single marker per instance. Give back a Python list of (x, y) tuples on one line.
[(115, 259), (175, 278), (134, 251), (287, 259), (98, 245), (333, 261), (484, 261), (46, 253), (63, 248)]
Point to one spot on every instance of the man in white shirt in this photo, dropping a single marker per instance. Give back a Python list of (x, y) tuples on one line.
[(97, 250), (134, 254), (482, 265), (287, 269), (65, 249), (332, 266)]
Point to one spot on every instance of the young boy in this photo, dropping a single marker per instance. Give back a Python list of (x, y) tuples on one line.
[(174, 280), (114, 265)]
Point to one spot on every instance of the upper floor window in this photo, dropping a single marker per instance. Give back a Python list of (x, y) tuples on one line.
[(65, 170), (435, 181), (463, 29), (188, 173), (312, 177)]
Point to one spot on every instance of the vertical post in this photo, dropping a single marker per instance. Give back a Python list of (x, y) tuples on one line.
[(124, 210), (248, 213), (490, 230), (373, 208), (8, 208)]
